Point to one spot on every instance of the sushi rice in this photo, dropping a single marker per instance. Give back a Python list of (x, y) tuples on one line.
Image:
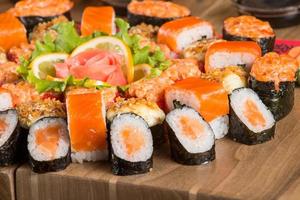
[(10, 119), (6, 100), (220, 126)]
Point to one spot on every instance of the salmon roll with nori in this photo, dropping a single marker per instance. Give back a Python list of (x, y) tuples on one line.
[(250, 120), (180, 33), (192, 140), (33, 12), (49, 145), (155, 12), (9, 136), (87, 124), (148, 110), (272, 77), (249, 28), (101, 18), (131, 145), (223, 54), (6, 99)]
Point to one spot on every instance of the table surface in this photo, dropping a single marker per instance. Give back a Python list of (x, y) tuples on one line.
[(267, 171)]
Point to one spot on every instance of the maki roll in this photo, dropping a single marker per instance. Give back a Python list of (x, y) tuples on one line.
[(224, 54), (34, 12), (250, 120), (101, 18), (49, 145), (192, 140), (87, 124), (180, 33), (6, 99), (9, 136), (208, 97), (149, 111), (249, 28), (154, 12), (131, 145), (272, 77)]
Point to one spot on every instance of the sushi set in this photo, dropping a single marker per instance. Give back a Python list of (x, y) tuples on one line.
[(115, 90)]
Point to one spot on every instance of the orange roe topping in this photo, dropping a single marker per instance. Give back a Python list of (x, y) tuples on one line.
[(248, 26), (274, 67)]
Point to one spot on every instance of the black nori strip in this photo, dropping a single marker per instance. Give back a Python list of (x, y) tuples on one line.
[(31, 21), (182, 156), (123, 167), (298, 77), (135, 19), (239, 132), (8, 151), (266, 44), (279, 102), (50, 166), (158, 135), (22, 150)]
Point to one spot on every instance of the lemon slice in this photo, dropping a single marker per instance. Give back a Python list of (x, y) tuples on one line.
[(43, 66), (112, 44), (141, 71)]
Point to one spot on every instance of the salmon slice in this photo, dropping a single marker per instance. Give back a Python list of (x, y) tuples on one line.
[(133, 140), (190, 127), (3, 126), (12, 31), (207, 97), (230, 53), (177, 34), (253, 114), (86, 118), (47, 139), (100, 18)]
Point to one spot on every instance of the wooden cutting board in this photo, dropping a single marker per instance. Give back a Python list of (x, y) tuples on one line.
[(264, 171), (7, 185)]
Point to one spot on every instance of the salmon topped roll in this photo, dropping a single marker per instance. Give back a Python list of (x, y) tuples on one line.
[(249, 28), (272, 77), (33, 12), (49, 145), (223, 54), (131, 145), (155, 12), (12, 31), (180, 33), (101, 18), (87, 125), (192, 140), (9, 137), (207, 97), (250, 120)]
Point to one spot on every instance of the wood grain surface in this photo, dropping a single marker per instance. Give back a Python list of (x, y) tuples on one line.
[(7, 184), (267, 171)]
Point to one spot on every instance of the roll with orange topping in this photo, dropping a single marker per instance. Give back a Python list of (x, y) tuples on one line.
[(272, 77), (249, 28)]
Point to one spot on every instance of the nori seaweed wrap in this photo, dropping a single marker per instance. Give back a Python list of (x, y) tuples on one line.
[(280, 101), (9, 137), (192, 140), (151, 12), (49, 145), (131, 145), (250, 120), (272, 77), (249, 28)]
